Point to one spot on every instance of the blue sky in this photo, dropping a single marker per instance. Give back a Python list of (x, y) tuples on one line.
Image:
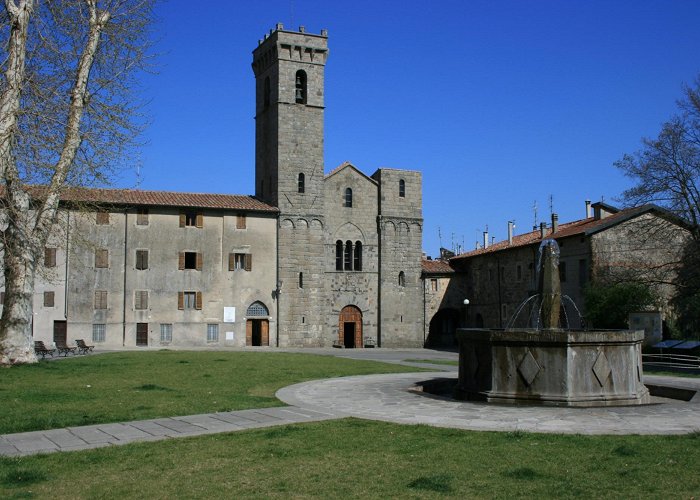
[(500, 104)]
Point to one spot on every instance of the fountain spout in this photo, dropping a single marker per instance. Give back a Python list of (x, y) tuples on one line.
[(549, 284)]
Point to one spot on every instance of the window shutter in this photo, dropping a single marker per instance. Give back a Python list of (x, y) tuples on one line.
[(183, 218), (144, 300), (200, 220), (181, 261), (240, 221), (248, 262), (198, 264), (180, 300), (198, 304), (231, 261), (144, 259)]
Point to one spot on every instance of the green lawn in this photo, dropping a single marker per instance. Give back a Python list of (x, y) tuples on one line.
[(139, 385), (361, 459)]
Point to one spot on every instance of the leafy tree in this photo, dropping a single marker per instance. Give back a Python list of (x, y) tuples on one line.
[(68, 117), (667, 172), (609, 305)]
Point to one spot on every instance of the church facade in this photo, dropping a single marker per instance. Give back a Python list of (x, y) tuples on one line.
[(313, 259)]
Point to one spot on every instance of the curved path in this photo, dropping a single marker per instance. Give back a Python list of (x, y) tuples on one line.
[(388, 398)]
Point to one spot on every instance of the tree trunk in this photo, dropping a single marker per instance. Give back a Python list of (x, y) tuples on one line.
[(16, 322)]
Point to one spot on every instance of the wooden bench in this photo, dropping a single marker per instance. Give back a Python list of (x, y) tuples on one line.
[(64, 349), (40, 348), (83, 348)]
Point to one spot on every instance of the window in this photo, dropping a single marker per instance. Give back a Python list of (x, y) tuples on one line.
[(240, 262), (300, 87), (141, 259), (141, 299), (102, 218), (190, 260), (301, 280), (142, 217), (48, 299), (166, 332), (562, 271), (257, 310), (240, 221), (348, 256), (49, 257), (101, 299), (348, 197), (101, 258), (212, 332), (433, 285), (191, 219), (490, 274), (402, 279), (301, 183), (402, 188), (99, 332), (358, 256), (266, 93), (189, 300), (519, 272), (338, 255)]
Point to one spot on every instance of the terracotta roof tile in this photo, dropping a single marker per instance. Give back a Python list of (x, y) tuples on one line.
[(163, 199), (436, 267)]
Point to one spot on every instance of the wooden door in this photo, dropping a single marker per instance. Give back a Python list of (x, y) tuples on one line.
[(264, 332), (142, 334), (350, 314), (249, 332), (60, 331)]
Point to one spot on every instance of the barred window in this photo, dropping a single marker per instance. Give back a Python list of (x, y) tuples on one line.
[(101, 299), (99, 332), (348, 197), (166, 332), (301, 183), (141, 259), (257, 310), (212, 332)]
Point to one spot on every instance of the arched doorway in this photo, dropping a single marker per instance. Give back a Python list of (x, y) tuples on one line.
[(443, 327), (257, 328), (350, 327)]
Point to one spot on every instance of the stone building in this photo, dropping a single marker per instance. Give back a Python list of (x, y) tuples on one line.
[(641, 243), (313, 259)]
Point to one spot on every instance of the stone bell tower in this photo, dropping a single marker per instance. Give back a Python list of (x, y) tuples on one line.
[(289, 172)]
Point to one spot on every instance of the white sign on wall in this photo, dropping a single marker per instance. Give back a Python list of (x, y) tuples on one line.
[(229, 335), (229, 314)]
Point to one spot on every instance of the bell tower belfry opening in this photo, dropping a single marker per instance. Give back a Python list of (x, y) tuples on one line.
[(289, 69)]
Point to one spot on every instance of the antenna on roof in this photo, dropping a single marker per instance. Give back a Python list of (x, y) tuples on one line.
[(551, 204), (534, 209), (440, 236), (138, 176)]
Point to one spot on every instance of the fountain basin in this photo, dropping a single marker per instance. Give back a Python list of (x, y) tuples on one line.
[(552, 367)]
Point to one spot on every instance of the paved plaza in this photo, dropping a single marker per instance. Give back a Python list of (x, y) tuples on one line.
[(389, 398)]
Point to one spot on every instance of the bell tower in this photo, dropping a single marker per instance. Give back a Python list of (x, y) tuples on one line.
[(289, 79)]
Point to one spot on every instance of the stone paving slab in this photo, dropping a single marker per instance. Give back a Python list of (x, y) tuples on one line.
[(387, 397)]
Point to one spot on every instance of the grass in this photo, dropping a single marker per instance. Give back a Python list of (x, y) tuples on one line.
[(362, 459), (449, 362), (140, 385)]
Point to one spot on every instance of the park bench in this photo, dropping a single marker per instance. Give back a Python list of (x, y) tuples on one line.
[(83, 348), (64, 349), (40, 348)]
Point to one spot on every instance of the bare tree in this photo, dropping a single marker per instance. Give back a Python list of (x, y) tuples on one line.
[(68, 117)]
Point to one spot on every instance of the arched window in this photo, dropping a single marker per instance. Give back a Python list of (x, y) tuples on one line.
[(348, 255), (300, 87), (266, 93), (402, 279), (301, 182), (348, 197), (358, 256), (402, 188), (338, 255), (257, 310), (301, 280)]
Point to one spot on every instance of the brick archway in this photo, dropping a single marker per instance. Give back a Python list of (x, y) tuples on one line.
[(350, 327)]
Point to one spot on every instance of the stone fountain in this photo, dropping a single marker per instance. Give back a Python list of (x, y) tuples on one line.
[(545, 364)]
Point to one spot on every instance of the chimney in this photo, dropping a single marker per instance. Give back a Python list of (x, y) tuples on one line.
[(555, 223), (543, 230), (588, 209), (511, 225), (486, 239)]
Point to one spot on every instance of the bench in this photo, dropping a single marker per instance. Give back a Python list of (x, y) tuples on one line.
[(83, 348), (64, 349), (40, 348)]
